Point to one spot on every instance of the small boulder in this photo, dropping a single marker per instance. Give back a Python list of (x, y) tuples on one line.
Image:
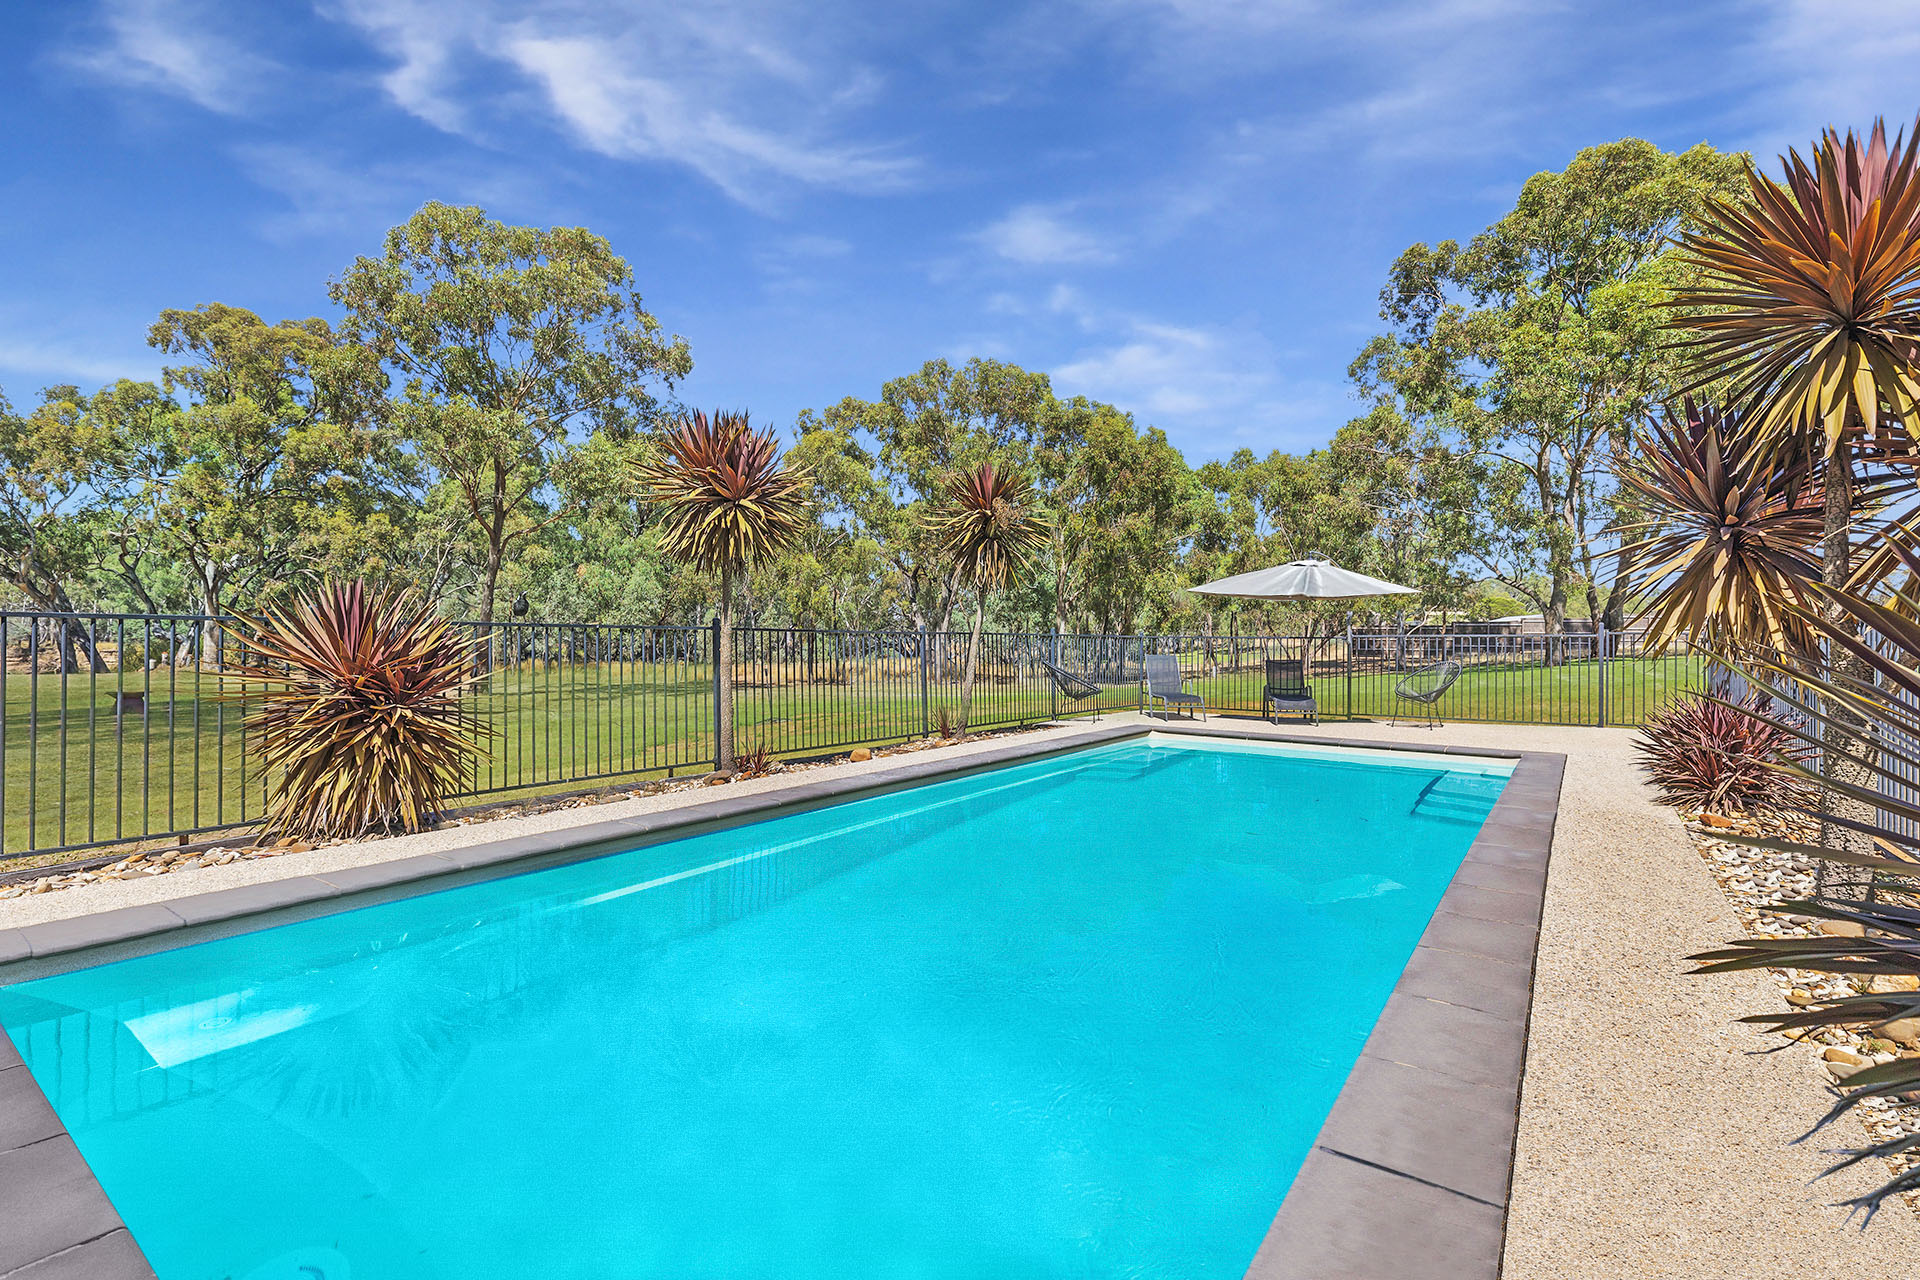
[(859, 754), (1839, 1053), (1892, 983), (1843, 929), (1904, 1031), (1800, 997)]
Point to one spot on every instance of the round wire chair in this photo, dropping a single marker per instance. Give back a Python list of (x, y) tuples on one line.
[(1427, 686)]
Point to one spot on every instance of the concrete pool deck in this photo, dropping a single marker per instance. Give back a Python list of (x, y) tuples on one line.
[(1651, 1139)]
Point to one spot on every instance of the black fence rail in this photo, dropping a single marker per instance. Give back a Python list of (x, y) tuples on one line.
[(121, 728)]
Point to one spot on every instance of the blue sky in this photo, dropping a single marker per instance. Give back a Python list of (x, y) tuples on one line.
[(1185, 207)]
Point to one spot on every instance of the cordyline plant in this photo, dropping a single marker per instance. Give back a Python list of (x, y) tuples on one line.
[(1875, 941), (356, 712), (1733, 532), (727, 501), (1719, 757), (985, 526), (1807, 304)]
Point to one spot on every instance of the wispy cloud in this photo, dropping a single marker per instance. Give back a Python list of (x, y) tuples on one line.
[(49, 358), (328, 194), (1790, 93), (713, 87), (176, 47), (1220, 387), (1041, 235)]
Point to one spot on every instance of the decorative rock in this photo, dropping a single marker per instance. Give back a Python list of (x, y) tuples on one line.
[(1891, 983), (1842, 929), (1843, 1070), (860, 755), (1847, 1056), (1800, 996), (1904, 1031)]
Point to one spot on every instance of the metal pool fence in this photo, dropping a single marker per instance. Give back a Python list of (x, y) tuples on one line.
[(118, 728)]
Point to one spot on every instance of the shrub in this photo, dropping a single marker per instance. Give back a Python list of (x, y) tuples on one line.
[(1709, 756), (355, 711)]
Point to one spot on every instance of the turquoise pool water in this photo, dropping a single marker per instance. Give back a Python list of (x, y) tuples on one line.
[(1080, 1018)]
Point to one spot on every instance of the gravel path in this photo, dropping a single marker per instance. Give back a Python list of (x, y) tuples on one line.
[(1653, 1134)]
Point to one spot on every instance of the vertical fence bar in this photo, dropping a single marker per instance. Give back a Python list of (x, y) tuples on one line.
[(713, 653)]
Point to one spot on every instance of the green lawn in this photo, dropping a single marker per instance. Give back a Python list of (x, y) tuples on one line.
[(180, 764)]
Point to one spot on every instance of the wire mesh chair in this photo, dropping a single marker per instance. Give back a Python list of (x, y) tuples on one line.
[(1426, 687), (1072, 687)]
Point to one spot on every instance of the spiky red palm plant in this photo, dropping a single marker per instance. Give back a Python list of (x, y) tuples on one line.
[(1810, 289), (357, 717), (1731, 532), (985, 526), (727, 500), (1708, 755), (1808, 299)]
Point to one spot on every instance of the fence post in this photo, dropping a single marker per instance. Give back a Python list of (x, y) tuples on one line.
[(926, 722), (1053, 690), (713, 656), (1349, 670), (1600, 640)]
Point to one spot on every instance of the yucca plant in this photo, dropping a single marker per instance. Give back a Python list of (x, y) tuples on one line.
[(356, 716), (1876, 940), (1807, 304), (1717, 756), (985, 527), (727, 501)]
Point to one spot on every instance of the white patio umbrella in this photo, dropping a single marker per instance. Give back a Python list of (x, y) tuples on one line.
[(1309, 579)]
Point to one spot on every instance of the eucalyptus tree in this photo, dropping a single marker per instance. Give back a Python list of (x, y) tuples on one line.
[(52, 464), (257, 466), (507, 343), (1119, 501), (1525, 357), (883, 463)]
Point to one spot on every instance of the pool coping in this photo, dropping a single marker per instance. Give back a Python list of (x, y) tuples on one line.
[(1408, 1177)]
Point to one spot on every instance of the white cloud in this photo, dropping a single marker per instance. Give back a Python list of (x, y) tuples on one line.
[(327, 195), (176, 47), (1791, 96), (46, 359), (1220, 386), (1038, 235), (717, 88)]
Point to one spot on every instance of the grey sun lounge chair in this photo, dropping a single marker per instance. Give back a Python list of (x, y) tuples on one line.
[(1427, 686), (1162, 674), (1072, 687), (1288, 692)]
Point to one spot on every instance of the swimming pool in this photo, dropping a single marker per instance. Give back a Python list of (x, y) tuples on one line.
[(1075, 1017)]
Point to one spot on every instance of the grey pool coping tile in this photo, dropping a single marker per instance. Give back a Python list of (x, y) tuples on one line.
[(54, 1205), (113, 1256), (1409, 1176), (1347, 1214), (1347, 1219)]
